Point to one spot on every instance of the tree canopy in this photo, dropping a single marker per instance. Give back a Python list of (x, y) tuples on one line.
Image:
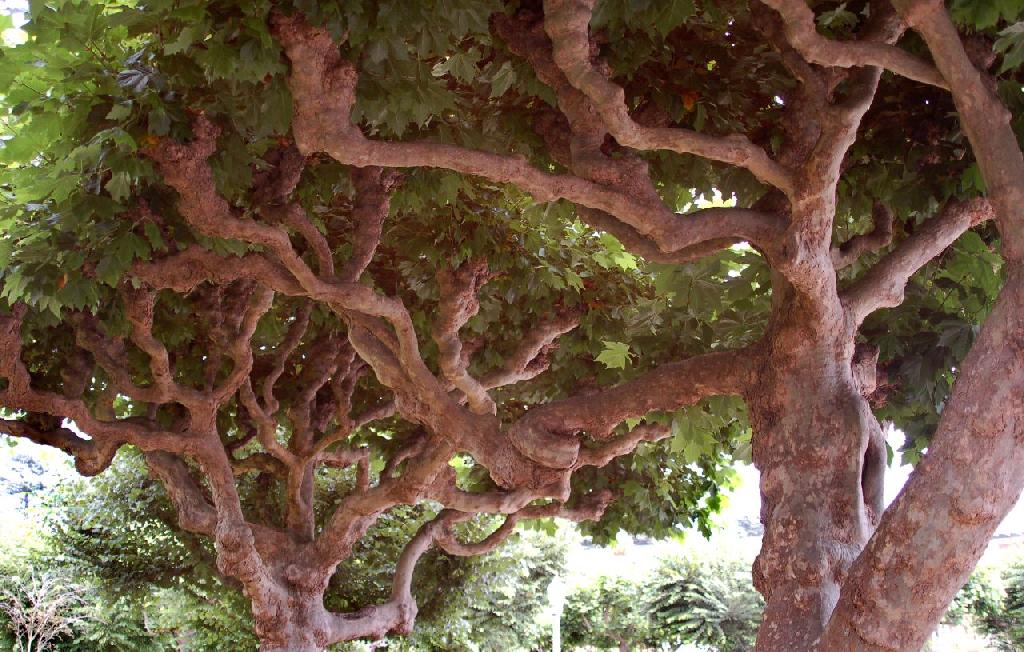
[(324, 261)]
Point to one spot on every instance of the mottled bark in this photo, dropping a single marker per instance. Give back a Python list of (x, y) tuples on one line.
[(935, 532), (821, 455)]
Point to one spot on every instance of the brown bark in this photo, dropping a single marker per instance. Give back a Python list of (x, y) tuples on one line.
[(935, 532), (821, 456)]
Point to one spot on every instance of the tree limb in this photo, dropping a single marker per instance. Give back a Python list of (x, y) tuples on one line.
[(880, 236), (883, 285), (567, 22), (802, 33)]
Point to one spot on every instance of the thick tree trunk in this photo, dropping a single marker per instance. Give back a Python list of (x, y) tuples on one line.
[(294, 619), (821, 456), (303, 628), (939, 526)]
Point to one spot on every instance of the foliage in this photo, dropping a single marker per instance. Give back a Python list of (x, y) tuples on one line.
[(997, 611), (610, 613), (711, 602), (978, 602), (93, 90), (704, 597)]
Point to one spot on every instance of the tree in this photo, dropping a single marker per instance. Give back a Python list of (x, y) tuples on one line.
[(710, 602), (151, 582), (208, 254), (39, 609), (26, 478), (609, 614)]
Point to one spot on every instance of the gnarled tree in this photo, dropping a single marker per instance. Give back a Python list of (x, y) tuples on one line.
[(212, 256)]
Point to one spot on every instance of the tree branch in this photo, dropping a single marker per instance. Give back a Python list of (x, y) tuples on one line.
[(373, 197), (802, 33), (883, 285), (458, 304), (622, 445), (880, 237), (91, 456), (322, 124), (547, 432), (567, 23), (530, 359)]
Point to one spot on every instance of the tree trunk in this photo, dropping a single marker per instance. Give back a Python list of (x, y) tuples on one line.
[(298, 624), (821, 455), (939, 526)]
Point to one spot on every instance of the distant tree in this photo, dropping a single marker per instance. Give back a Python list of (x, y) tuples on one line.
[(22, 478), (39, 608), (709, 602), (1000, 616), (610, 613)]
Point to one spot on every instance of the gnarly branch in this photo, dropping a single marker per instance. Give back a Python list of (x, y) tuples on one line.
[(373, 187), (622, 445), (546, 431), (802, 33), (91, 456), (187, 269), (284, 350), (195, 513), (255, 302), (883, 285), (293, 216), (259, 463), (978, 437), (266, 427), (878, 238), (566, 22), (397, 615), (322, 124), (530, 359), (107, 435), (459, 303), (985, 119)]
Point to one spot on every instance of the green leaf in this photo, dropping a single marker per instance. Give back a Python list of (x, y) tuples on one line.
[(119, 186), (502, 79), (186, 36), (674, 14), (119, 111), (615, 355)]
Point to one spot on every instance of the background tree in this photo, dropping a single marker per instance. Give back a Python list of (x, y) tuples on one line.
[(207, 254), (710, 602), (611, 613), (39, 609)]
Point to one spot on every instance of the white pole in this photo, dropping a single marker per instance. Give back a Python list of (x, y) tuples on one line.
[(556, 596)]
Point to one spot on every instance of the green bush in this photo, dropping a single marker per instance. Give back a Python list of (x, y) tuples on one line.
[(694, 599), (708, 602), (610, 613)]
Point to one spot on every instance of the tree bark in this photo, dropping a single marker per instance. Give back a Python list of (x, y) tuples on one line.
[(939, 526), (300, 624), (821, 455)]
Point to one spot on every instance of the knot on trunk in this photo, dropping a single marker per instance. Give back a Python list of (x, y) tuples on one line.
[(865, 368), (305, 579), (551, 449)]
